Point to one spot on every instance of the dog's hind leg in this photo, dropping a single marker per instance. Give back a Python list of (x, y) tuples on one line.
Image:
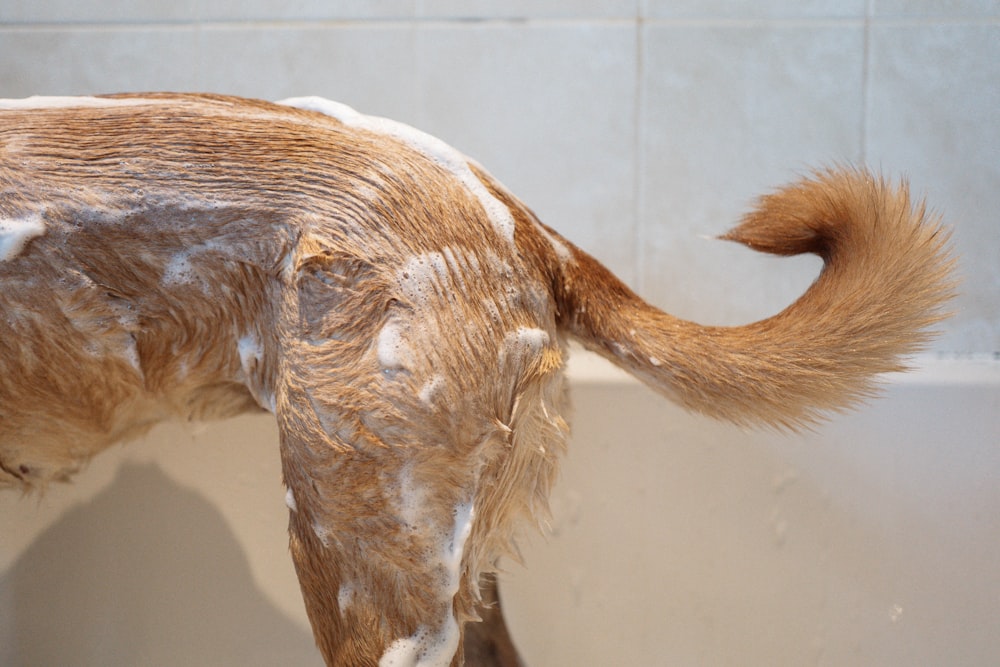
[(378, 543), (488, 643)]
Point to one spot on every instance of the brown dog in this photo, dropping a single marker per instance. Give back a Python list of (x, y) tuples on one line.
[(402, 315)]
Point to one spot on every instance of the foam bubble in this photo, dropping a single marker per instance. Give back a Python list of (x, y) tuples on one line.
[(16, 232), (55, 102), (393, 352), (345, 596), (429, 647)]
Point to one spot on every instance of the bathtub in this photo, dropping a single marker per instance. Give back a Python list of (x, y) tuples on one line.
[(674, 540)]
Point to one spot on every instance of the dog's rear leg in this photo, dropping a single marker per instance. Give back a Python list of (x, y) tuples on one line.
[(378, 539), (488, 643)]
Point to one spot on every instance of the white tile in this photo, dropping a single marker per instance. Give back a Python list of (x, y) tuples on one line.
[(129, 11), (935, 8), (96, 11), (549, 110), (73, 61), (266, 10), (747, 9), (730, 112), (528, 8), (369, 67), (935, 92)]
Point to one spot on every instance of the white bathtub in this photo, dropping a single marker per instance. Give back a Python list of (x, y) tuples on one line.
[(675, 541), (680, 541)]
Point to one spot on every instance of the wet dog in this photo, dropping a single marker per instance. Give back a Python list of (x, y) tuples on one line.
[(402, 315)]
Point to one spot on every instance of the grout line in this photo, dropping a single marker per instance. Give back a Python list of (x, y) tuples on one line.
[(639, 159), (320, 23), (812, 21), (311, 22), (865, 80)]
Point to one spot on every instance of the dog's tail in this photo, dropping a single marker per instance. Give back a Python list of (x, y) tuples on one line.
[(886, 275)]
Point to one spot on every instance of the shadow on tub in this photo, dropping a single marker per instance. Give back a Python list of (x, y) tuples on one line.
[(147, 573)]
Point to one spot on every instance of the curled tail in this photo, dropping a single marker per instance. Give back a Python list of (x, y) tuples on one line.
[(886, 275)]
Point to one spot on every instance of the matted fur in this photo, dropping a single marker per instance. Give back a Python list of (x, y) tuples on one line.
[(198, 256)]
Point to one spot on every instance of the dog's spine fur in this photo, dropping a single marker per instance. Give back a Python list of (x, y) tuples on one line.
[(886, 275)]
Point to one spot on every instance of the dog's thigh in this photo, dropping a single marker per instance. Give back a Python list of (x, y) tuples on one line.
[(378, 538)]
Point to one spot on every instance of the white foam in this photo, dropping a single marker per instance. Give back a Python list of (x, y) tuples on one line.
[(563, 253), (290, 500), (464, 515), (524, 343), (321, 532), (462, 263), (179, 271), (57, 102), (250, 352), (132, 354), (529, 337), (421, 274), (437, 648), (424, 648), (430, 146), (345, 596), (268, 401), (411, 498), (16, 232), (394, 353), (288, 268), (430, 389)]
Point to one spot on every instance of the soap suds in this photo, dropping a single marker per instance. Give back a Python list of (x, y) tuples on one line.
[(464, 515), (430, 389), (180, 271), (322, 533), (345, 596), (435, 275), (528, 337), (563, 253), (411, 498), (55, 102), (131, 353), (250, 353), (421, 275), (424, 648), (430, 146), (290, 500), (429, 647), (394, 353), (16, 232), (251, 357)]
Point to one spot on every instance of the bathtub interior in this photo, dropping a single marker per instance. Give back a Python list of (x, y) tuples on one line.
[(673, 540)]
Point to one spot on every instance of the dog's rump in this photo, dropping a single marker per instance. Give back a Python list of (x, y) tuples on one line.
[(154, 241)]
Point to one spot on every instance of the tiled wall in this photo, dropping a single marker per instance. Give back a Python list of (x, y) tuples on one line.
[(635, 127)]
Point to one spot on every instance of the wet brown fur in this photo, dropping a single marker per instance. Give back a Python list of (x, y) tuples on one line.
[(204, 256)]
